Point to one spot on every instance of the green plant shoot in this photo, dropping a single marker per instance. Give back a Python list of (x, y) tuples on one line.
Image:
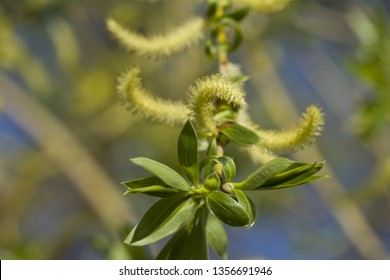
[(194, 207)]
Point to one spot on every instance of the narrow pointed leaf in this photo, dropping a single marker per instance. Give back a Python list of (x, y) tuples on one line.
[(302, 177), (264, 173), (239, 14), (291, 172), (163, 218), (153, 186), (187, 150), (213, 148), (165, 173), (211, 8), (216, 236), (144, 182), (281, 173), (130, 236), (229, 211), (240, 134), (157, 191), (207, 166)]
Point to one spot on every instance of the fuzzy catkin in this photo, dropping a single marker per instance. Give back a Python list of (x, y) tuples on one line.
[(309, 126), (144, 105), (158, 46), (205, 93)]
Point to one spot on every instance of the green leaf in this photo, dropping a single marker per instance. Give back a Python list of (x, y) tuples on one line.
[(238, 14), (240, 134), (211, 8), (207, 166), (247, 204), (213, 148), (240, 79), (158, 191), (189, 243), (238, 34), (264, 173), (229, 211), (163, 218), (130, 236), (153, 186), (187, 150), (216, 236), (210, 50), (280, 173), (298, 176), (168, 175)]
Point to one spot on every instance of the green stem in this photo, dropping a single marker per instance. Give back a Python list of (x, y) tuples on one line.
[(221, 40), (222, 57)]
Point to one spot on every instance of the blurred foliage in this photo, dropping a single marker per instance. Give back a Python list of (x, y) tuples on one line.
[(372, 66), (59, 55)]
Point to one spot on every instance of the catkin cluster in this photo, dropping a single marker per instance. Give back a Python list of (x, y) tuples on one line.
[(207, 93)]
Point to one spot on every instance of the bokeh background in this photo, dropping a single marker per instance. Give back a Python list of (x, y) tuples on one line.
[(65, 140)]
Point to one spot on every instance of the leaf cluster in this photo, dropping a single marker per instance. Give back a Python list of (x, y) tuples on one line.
[(194, 208)]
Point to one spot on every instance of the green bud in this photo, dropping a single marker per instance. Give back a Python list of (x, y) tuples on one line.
[(212, 182), (228, 168), (227, 188)]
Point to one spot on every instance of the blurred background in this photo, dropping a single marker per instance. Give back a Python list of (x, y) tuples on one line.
[(65, 141)]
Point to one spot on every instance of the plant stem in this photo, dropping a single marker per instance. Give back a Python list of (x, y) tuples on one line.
[(222, 58), (222, 40)]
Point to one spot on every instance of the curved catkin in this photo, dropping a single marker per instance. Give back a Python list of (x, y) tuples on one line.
[(205, 93), (308, 127), (158, 46), (265, 6), (142, 104)]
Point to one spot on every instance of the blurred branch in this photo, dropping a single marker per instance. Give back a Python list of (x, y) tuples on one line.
[(15, 56), (65, 45), (65, 151)]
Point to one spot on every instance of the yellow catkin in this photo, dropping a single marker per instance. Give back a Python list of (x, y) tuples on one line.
[(158, 46), (205, 93), (142, 104), (308, 127), (265, 6)]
